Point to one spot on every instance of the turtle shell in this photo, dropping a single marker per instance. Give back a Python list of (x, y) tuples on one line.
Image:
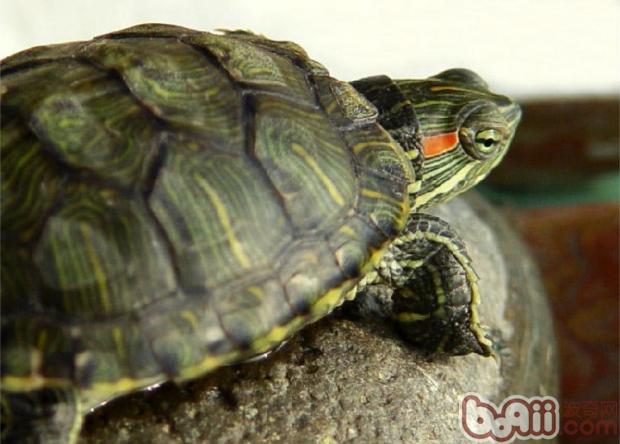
[(174, 200)]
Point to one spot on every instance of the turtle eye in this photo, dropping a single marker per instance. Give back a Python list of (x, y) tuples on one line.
[(483, 132), (487, 141)]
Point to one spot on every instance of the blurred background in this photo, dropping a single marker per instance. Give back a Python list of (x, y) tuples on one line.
[(524, 47), (559, 184)]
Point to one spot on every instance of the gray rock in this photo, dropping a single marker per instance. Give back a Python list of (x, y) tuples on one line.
[(342, 381)]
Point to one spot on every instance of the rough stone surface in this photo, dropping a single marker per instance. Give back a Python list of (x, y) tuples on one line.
[(346, 381)]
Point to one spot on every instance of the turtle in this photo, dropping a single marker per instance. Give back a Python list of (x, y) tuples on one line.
[(174, 201)]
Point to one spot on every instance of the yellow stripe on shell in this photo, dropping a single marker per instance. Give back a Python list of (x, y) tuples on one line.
[(103, 391), (190, 317), (432, 103), (257, 291), (13, 383), (276, 335), (222, 214), (347, 230), (455, 88), (379, 196), (97, 269), (117, 336), (329, 185), (363, 145)]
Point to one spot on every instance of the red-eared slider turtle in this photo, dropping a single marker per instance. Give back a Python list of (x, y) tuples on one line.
[(174, 201)]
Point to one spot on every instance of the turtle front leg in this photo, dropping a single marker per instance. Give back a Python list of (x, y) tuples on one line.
[(426, 283), (44, 416)]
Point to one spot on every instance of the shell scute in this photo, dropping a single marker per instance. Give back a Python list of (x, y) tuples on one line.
[(201, 197)]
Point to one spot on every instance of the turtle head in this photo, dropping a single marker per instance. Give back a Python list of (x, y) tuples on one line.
[(463, 131)]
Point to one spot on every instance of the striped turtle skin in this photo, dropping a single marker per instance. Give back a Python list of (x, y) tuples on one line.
[(174, 201)]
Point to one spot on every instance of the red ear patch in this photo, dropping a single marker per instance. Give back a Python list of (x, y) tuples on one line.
[(441, 143)]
